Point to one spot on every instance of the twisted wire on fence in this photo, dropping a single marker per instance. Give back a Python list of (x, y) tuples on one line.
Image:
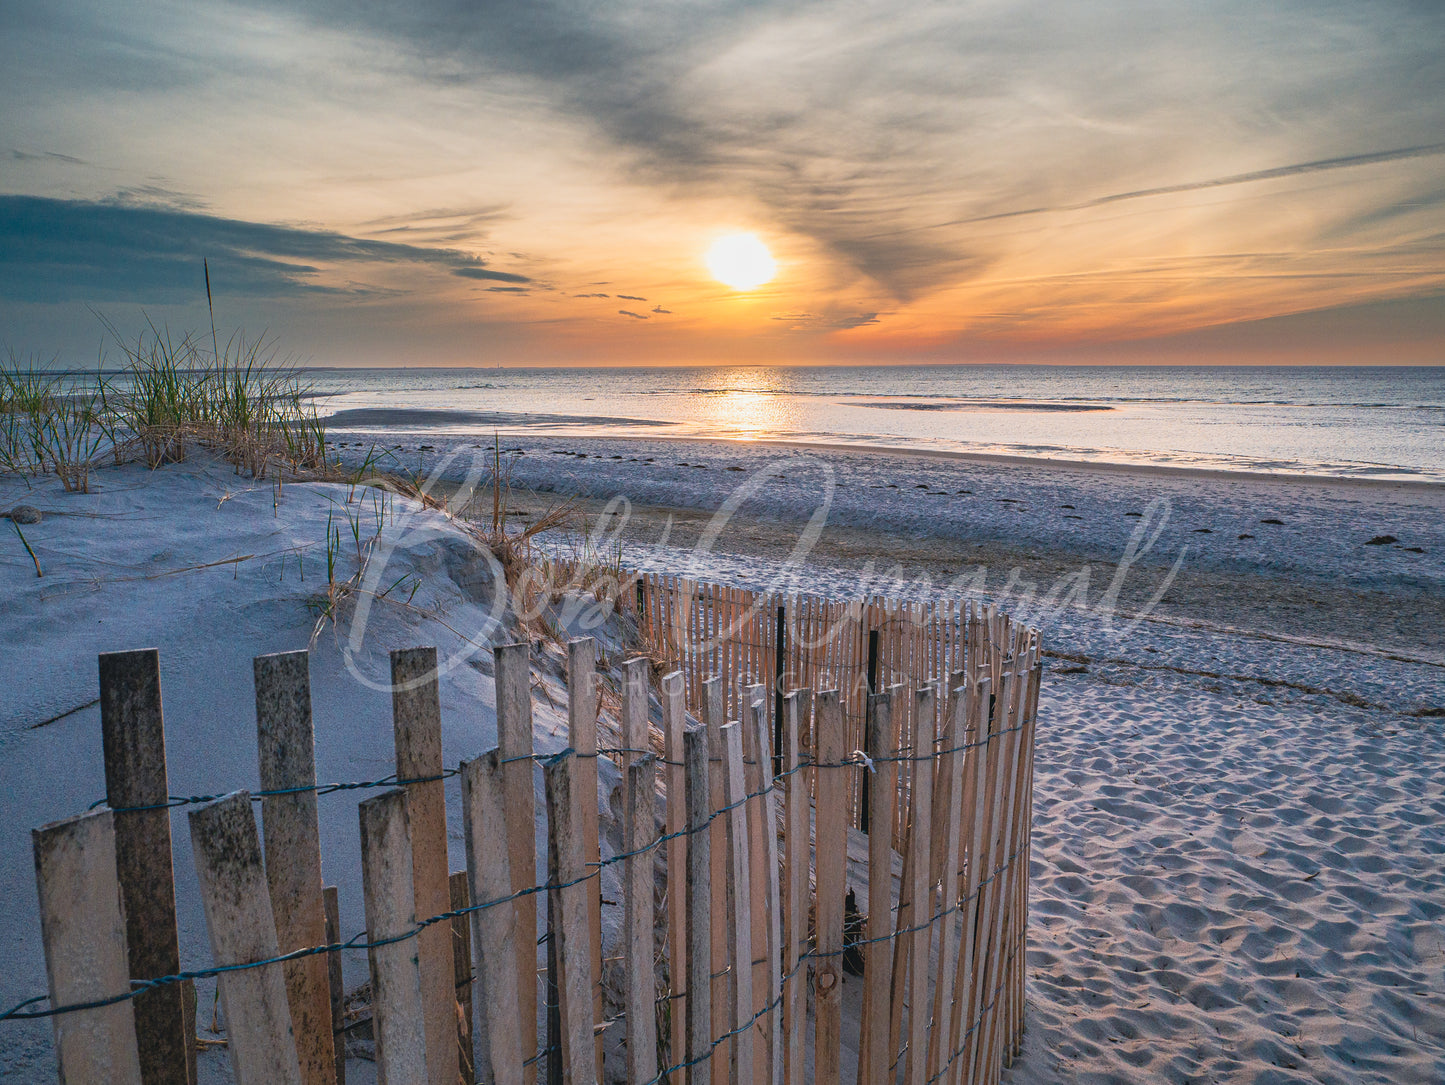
[(360, 942)]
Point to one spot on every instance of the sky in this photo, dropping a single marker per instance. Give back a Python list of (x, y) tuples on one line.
[(454, 182)]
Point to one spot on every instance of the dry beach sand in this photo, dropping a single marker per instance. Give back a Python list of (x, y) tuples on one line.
[(1240, 811)]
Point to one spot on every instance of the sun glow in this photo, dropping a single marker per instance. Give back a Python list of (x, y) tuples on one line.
[(741, 261)]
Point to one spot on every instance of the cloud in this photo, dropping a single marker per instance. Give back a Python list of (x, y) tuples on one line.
[(938, 115), (631, 297), (488, 273), (830, 320), (45, 156), (56, 250), (1343, 162), (591, 295), (629, 312), (507, 290), (660, 309)]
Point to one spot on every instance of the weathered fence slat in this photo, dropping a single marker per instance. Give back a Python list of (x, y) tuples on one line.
[(242, 930), (771, 998), (494, 928), (920, 938), (417, 726), (133, 737), (85, 959), (640, 834), (567, 905), (754, 773), (723, 957), (874, 1055), (635, 731), (739, 898), (796, 707), (286, 747), (674, 721), (388, 895), (699, 908), (950, 780), (512, 672), (461, 928), (830, 864), (582, 736), (332, 906)]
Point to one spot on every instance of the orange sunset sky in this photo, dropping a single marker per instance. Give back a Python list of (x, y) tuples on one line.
[(538, 183)]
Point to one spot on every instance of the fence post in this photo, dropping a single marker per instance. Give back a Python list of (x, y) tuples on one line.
[(992, 714), (874, 1052), (640, 834), (133, 737), (833, 778), (495, 926), (582, 736), (332, 908), (674, 721), (722, 957), (864, 810), (757, 778), (771, 995), (567, 907), (514, 743), (976, 737), (85, 959), (921, 839), (286, 747), (242, 930), (461, 899), (739, 899), (795, 893), (388, 891), (417, 725), (779, 670), (635, 738), (699, 908), (949, 782)]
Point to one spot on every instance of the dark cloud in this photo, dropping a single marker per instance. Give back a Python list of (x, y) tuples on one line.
[(831, 320), (507, 290), (58, 250), (631, 297), (45, 156), (591, 295), (488, 273), (629, 312), (660, 309)]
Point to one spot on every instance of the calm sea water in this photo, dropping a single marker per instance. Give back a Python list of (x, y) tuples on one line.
[(1386, 422)]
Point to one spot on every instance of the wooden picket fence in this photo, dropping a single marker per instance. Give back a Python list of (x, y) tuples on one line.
[(789, 641), (750, 941)]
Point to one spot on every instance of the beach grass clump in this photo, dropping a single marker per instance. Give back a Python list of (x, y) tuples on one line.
[(173, 393), (49, 423), (240, 400)]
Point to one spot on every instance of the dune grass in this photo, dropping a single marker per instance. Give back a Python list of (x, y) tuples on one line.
[(170, 395)]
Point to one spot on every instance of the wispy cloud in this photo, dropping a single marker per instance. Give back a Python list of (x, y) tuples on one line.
[(488, 273), (54, 250), (1339, 163)]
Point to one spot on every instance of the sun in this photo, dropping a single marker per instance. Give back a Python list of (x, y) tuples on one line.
[(741, 261)]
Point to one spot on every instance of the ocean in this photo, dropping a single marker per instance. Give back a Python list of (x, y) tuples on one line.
[(1377, 422)]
